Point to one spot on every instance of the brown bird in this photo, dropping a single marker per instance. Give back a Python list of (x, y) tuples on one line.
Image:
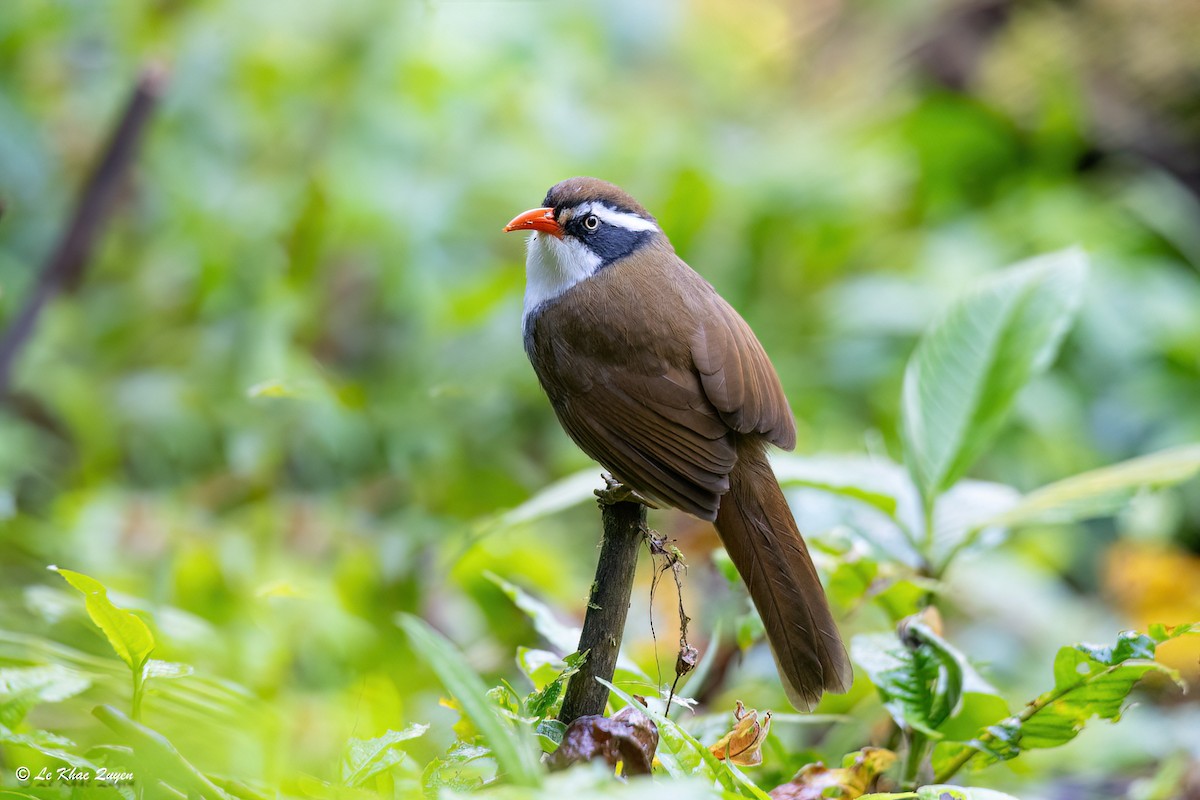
[(656, 377)]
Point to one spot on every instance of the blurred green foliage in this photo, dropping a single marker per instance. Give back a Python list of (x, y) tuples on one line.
[(288, 399)]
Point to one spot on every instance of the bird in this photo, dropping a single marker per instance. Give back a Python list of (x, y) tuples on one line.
[(656, 377)]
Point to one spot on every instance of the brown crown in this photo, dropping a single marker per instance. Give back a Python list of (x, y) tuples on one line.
[(574, 191)]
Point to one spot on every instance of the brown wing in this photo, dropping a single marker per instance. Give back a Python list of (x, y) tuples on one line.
[(738, 378), (679, 455), (662, 416)]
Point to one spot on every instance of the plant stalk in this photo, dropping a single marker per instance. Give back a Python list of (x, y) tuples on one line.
[(139, 682), (917, 745)]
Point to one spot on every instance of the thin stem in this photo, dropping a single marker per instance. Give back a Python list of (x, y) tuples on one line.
[(966, 541), (139, 683), (928, 506), (917, 745)]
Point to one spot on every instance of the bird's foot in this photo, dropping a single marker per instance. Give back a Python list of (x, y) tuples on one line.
[(616, 492)]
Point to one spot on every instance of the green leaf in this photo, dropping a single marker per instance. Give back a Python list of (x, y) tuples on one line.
[(454, 770), (512, 749), (558, 496), (159, 757), (564, 638), (126, 632), (870, 495), (963, 517), (545, 702), (550, 734), (848, 476), (541, 667), (156, 668), (22, 688), (978, 710), (1089, 681), (921, 682), (1164, 633), (1101, 491), (48, 744), (968, 367), (366, 758), (276, 388)]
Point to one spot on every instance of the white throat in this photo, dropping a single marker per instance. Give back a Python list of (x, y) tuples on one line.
[(552, 266)]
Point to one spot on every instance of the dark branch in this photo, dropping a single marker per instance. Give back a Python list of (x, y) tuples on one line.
[(66, 262), (608, 605)]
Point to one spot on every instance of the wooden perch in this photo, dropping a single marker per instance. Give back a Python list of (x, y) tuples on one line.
[(65, 264), (608, 606)]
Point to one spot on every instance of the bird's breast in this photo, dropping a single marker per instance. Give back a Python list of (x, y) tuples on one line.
[(620, 318)]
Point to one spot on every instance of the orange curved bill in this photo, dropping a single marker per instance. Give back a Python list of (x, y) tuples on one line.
[(535, 219)]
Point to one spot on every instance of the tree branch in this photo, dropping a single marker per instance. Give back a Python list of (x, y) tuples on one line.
[(608, 606), (64, 265)]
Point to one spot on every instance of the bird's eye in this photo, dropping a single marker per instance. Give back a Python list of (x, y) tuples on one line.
[(591, 222)]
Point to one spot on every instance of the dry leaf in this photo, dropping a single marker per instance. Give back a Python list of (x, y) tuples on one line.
[(628, 738), (743, 744), (817, 782)]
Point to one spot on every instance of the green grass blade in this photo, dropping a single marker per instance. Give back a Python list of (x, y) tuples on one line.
[(513, 751)]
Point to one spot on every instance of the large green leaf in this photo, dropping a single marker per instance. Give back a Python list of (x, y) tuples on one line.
[(1101, 491), (968, 367), (1096, 493), (126, 632), (513, 749)]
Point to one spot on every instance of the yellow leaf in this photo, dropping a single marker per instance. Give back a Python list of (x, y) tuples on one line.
[(816, 781)]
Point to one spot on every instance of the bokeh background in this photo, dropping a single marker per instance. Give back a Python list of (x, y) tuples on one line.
[(287, 399)]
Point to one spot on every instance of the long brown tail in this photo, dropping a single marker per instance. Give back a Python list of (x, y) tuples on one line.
[(762, 539)]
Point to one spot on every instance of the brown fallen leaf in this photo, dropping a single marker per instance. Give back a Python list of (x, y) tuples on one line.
[(853, 779), (743, 744), (628, 738)]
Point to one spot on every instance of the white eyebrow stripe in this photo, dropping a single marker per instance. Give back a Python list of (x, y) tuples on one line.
[(621, 219)]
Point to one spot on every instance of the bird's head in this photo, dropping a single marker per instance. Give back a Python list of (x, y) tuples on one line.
[(582, 226)]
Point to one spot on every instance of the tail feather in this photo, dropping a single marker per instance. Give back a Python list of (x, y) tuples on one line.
[(761, 537)]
